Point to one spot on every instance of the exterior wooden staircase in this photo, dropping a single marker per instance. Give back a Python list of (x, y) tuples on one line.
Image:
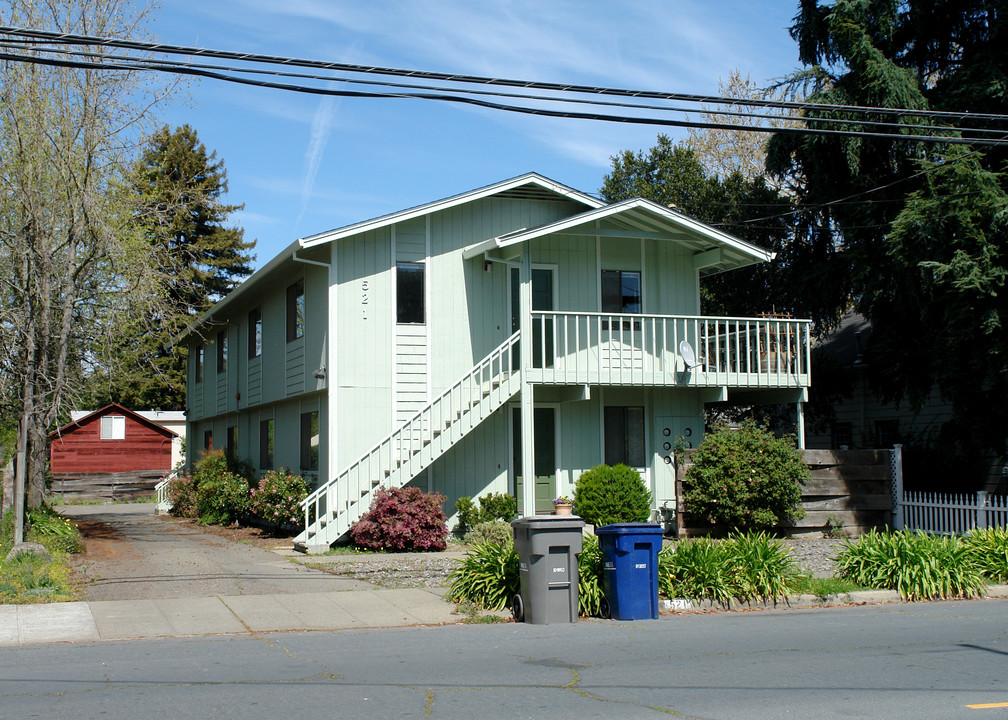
[(410, 449)]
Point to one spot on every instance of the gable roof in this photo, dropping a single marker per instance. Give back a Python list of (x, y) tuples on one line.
[(527, 185), (715, 251), (111, 407)]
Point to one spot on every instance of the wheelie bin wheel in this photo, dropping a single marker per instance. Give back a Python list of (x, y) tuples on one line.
[(604, 609), (517, 608)]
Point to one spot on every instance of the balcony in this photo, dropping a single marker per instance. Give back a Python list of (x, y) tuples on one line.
[(646, 350)]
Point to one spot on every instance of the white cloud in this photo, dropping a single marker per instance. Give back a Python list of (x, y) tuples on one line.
[(316, 147)]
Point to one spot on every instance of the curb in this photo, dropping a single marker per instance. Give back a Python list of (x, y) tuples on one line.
[(858, 597)]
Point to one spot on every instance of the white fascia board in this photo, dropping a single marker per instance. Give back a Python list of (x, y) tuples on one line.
[(675, 219), (241, 290), (446, 203)]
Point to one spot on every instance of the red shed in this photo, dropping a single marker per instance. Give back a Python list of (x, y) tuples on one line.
[(110, 452)]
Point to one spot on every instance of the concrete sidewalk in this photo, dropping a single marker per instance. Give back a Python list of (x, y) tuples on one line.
[(220, 615)]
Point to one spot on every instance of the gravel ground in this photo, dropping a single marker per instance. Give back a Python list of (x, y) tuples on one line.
[(397, 570)]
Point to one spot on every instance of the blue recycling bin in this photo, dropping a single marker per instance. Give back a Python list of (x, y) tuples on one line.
[(630, 569)]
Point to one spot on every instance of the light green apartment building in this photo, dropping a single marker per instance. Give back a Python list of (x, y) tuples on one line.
[(449, 346)]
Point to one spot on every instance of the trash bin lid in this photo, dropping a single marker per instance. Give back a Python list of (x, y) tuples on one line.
[(629, 529), (549, 522)]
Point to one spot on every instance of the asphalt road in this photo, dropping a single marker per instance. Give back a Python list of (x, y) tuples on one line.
[(136, 556), (924, 660)]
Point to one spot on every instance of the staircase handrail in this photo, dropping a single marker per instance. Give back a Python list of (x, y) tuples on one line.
[(316, 494)]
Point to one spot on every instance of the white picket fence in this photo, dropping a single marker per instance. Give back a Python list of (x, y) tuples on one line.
[(943, 513)]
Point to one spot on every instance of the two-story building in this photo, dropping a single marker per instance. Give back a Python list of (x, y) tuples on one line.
[(452, 345)]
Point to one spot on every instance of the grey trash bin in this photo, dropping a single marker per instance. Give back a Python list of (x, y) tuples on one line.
[(548, 547)]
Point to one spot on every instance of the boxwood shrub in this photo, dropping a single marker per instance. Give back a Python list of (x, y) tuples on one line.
[(616, 494)]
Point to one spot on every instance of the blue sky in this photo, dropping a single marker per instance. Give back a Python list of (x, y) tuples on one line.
[(304, 164)]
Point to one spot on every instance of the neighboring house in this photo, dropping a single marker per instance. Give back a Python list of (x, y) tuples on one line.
[(861, 419), (109, 452), (174, 420), (523, 324)]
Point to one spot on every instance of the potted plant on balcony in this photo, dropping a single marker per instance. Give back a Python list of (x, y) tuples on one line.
[(562, 505)]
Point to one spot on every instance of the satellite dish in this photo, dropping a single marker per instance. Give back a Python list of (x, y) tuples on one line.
[(689, 357)]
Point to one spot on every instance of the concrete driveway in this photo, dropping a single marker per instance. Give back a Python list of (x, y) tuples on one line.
[(133, 555)]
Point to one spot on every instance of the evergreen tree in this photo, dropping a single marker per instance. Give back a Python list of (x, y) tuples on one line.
[(181, 186), (917, 230)]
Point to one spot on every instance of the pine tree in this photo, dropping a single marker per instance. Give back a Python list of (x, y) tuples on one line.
[(181, 186)]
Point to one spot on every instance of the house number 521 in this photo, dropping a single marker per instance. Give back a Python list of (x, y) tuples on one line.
[(365, 287)]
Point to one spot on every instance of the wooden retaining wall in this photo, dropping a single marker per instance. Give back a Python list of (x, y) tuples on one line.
[(852, 486), (108, 486)]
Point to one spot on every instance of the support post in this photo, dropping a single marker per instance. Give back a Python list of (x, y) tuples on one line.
[(981, 506), (527, 401), (801, 425), (896, 486)]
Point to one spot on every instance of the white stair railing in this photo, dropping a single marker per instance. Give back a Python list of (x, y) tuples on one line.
[(408, 450)]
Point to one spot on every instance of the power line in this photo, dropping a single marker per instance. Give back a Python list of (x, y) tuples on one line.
[(171, 66), (442, 95), (74, 39)]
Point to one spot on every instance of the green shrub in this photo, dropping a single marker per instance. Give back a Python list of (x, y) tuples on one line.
[(53, 531), (401, 519), (223, 499), (492, 531), (492, 506), (278, 497), (918, 565), (743, 567), (745, 478), (617, 494), (767, 566), (990, 550), (590, 586), (701, 569), (487, 577), (182, 495)]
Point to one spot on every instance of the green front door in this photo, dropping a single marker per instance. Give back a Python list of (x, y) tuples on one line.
[(544, 419)]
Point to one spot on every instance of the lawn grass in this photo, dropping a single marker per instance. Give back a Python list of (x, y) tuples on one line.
[(822, 588)]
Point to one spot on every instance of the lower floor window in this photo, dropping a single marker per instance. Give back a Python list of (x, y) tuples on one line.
[(232, 441), (208, 439), (266, 444), (310, 440), (624, 436)]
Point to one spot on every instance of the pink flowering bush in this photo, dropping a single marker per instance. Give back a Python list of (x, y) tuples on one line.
[(278, 498), (402, 519), (745, 478), (182, 495)]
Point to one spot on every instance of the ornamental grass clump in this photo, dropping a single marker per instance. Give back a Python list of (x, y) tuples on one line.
[(402, 519), (745, 478), (990, 550), (917, 565), (590, 587), (617, 494), (487, 577), (277, 500), (753, 566)]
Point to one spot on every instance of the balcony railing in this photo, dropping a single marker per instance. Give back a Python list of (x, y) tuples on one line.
[(630, 349)]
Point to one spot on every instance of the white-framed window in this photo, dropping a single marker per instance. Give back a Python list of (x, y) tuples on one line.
[(113, 427)]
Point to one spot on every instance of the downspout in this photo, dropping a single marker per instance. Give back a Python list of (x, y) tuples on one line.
[(331, 461)]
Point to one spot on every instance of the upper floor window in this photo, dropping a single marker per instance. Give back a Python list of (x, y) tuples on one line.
[(410, 293), (222, 351), (621, 291), (113, 427), (199, 364), (886, 433), (255, 337), (624, 436), (295, 311)]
